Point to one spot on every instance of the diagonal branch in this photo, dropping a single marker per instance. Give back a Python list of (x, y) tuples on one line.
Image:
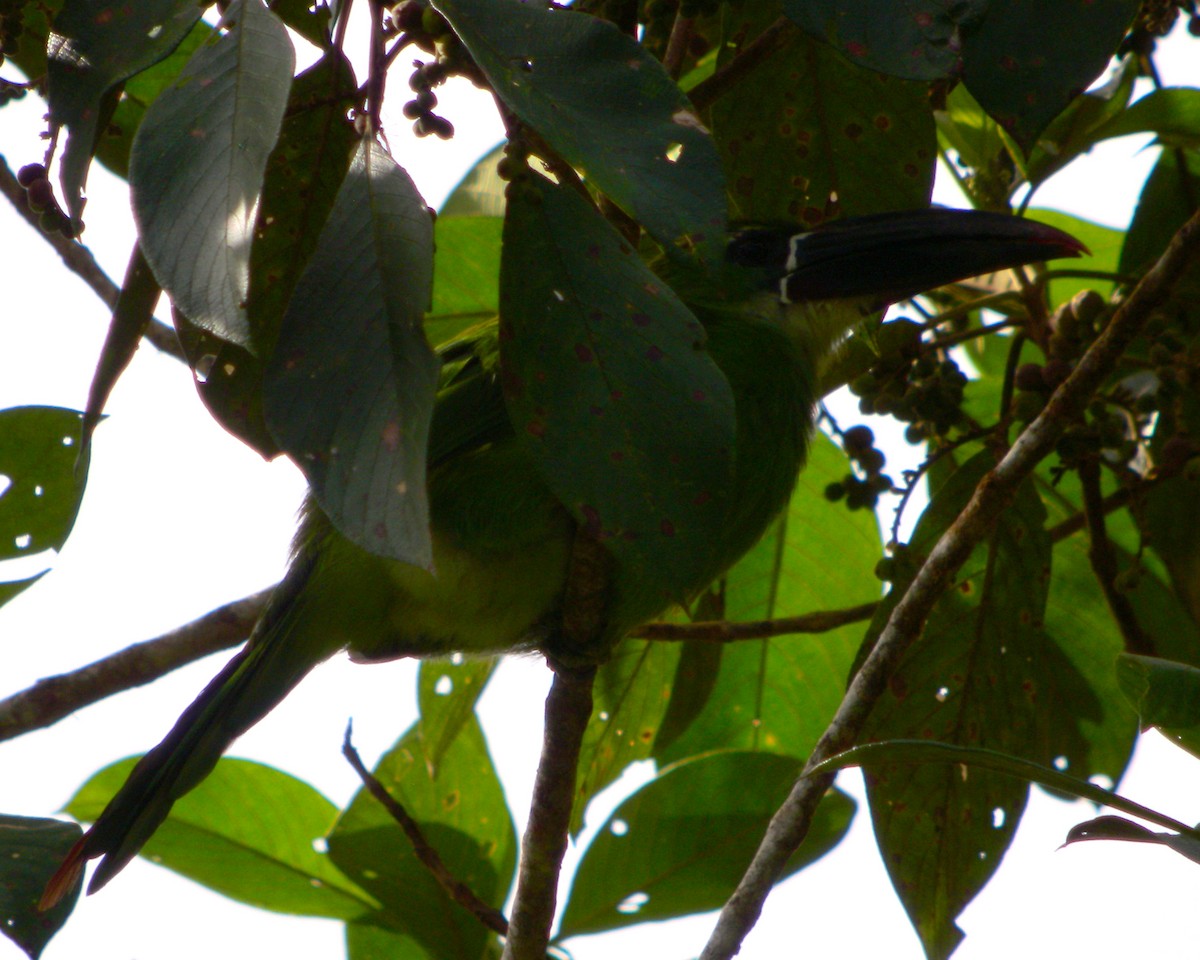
[(455, 889), (53, 698), (728, 631), (995, 492), (79, 261)]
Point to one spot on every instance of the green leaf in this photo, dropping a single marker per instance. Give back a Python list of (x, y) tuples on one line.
[(632, 691), (681, 843), (249, 832), (1165, 694), (466, 276), (807, 134), (1081, 126), (31, 850), (45, 474), (1118, 828), (365, 941), (777, 695), (115, 140), (462, 814), (196, 169), (302, 178), (1104, 248), (980, 674), (131, 317), (94, 46), (447, 692), (1005, 62), (604, 104), (920, 40), (480, 193), (982, 147), (593, 344), (1171, 113), (349, 390), (892, 752)]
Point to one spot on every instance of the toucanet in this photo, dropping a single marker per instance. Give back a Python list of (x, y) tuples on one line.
[(780, 303)]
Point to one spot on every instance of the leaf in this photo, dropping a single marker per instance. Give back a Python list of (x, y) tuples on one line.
[(1172, 114), (303, 175), (447, 692), (807, 134), (480, 193), (892, 752), (95, 45), (249, 832), (632, 691), (31, 850), (42, 477), (777, 695), (593, 344), (921, 40), (131, 316), (349, 390), (466, 276), (461, 813), (1165, 694), (1104, 247), (1118, 828), (365, 941), (979, 675), (680, 844), (1006, 67), (196, 168), (604, 104)]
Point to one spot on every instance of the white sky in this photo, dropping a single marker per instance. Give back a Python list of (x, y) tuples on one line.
[(179, 518)]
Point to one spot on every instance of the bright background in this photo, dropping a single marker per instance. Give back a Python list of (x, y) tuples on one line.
[(179, 518)]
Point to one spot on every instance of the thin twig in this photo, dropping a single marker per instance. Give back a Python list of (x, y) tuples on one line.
[(707, 92), (53, 698), (79, 260), (725, 631), (677, 45), (1103, 559), (455, 889), (995, 492)]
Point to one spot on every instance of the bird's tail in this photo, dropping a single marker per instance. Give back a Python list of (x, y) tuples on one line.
[(251, 684)]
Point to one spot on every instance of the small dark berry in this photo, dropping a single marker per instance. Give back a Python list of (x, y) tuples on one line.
[(1029, 377), (412, 110), (834, 492), (30, 173), (40, 195), (858, 438)]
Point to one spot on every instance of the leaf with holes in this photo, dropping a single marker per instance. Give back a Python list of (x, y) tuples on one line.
[(681, 843), (196, 169), (604, 104), (349, 390), (979, 675), (42, 477), (31, 850), (248, 831), (808, 134), (594, 346), (447, 692)]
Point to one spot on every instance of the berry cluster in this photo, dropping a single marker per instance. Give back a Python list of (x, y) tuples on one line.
[(1073, 328), (427, 29), (912, 385), (39, 194), (861, 492)]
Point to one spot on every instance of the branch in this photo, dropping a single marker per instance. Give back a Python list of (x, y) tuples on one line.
[(53, 698), (725, 631), (458, 891), (79, 261), (791, 822), (568, 709), (705, 93)]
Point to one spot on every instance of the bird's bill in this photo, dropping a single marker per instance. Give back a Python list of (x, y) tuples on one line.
[(894, 256)]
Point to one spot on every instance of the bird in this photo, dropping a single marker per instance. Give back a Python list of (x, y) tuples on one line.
[(780, 303)]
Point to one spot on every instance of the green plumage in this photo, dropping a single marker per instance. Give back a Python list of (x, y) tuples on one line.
[(502, 541)]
